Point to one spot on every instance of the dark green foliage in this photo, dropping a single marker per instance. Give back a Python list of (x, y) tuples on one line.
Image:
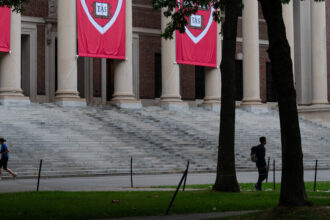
[(17, 5), (178, 21)]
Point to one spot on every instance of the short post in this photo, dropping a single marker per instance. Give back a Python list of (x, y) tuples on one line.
[(315, 175), (176, 192), (268, 169), (131, 172), (274, 175), (39, 175), (185, 179)]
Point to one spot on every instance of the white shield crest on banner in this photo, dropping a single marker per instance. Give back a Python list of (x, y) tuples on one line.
[(200, 36), (108, 25)]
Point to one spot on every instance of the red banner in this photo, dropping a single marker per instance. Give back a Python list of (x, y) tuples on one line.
[(198, 45), (101, 28), (5, 14)]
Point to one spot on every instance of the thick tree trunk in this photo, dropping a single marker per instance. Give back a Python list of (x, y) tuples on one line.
[(293, 191), (226, 174)]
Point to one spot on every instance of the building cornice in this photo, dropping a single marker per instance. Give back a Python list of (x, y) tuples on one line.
[(33, 19), (142, 30), (142, 6)]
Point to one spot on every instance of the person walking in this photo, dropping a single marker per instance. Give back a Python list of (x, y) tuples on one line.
[(4, 152), (261, 163)]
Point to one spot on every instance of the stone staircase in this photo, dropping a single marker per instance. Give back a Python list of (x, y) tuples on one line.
[(101, 140)]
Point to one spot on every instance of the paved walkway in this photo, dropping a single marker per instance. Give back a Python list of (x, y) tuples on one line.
[(141, 182), (196, 216)]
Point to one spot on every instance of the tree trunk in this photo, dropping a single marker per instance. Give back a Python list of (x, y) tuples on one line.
[(293, 191), (226, 174)]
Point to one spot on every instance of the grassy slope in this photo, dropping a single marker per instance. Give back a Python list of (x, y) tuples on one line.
[(88, 205), (315, 213), (321, 186)]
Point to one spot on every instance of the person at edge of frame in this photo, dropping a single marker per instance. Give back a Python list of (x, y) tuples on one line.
[(4, 152)]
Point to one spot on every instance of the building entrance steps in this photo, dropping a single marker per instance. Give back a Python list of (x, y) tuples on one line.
[(101, 140)]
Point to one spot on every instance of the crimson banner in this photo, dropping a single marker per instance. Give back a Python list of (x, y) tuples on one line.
[(198, 45), (101, 28), (5, 14)]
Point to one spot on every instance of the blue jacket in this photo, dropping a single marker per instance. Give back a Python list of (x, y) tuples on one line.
[(4, 148)]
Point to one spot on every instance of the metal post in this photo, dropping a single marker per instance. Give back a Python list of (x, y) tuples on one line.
[(131, 172), (274, 175), (268, 169), (315, 175), (176, 192), (39, 175), (185, 179)]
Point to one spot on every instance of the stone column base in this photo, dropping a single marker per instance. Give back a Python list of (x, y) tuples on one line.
[(14, 100), (211, 106), (126, 101), (70, 101), (313, 108), (171, 104), (256, 108), (251, 102), (128, 104), (320, 103)]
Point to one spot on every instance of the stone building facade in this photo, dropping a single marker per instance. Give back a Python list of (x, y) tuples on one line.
[(43, 66)]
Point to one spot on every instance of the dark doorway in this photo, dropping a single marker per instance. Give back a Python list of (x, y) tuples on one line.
[(271, 87), (239, 80), (110, 79), (25, 65), (158, 75), (81, 77), (97, 78), (56, 86), (199, 82)]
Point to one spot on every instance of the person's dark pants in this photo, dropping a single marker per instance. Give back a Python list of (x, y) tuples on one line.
[(263, 173), (3, 163)]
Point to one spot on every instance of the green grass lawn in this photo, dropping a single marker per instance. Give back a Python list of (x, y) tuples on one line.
[(93, 205), (315, 213), (320, 186)]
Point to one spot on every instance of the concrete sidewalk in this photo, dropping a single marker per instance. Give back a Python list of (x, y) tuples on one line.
[(196, 216), (141, 182)]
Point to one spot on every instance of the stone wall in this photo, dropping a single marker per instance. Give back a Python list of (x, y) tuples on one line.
[(36, 8), (146, 17)]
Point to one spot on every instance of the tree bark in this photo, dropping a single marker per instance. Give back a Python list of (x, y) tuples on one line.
[(293, 191), (226, 174)]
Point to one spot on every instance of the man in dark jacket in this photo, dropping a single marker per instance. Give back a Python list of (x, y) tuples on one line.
[(261, 163)]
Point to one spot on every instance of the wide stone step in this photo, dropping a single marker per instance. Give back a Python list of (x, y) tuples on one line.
[(101, 140)]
